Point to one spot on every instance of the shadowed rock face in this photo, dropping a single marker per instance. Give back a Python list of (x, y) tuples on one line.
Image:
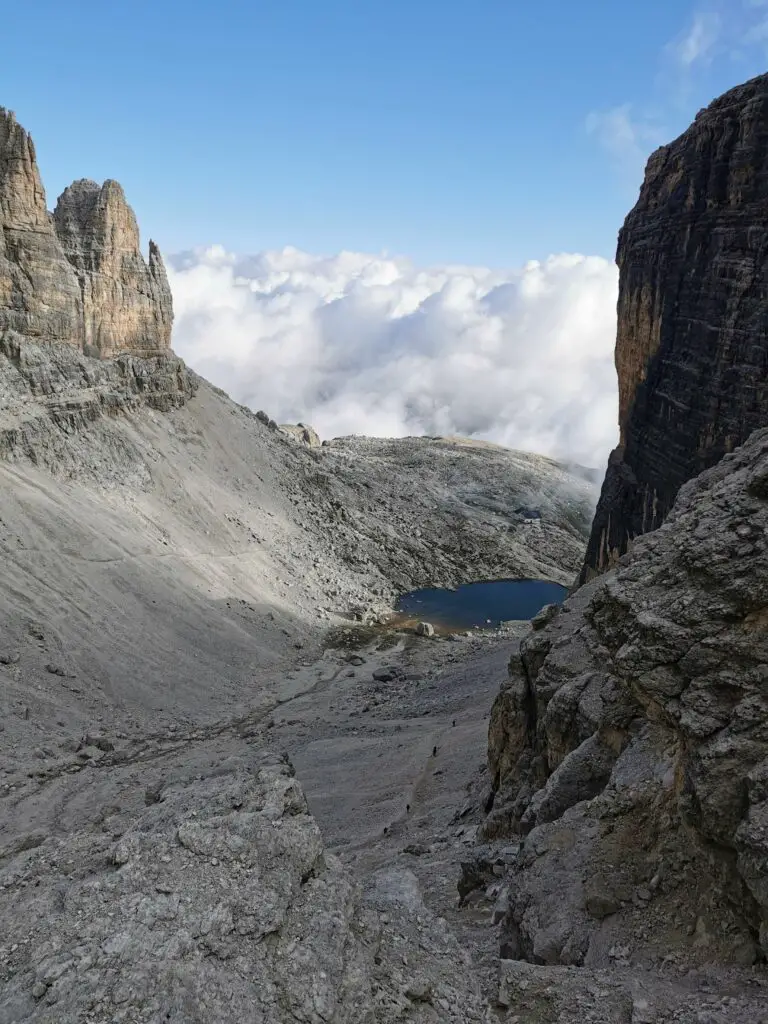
[(691, 349), (78, 276), (630, 744)]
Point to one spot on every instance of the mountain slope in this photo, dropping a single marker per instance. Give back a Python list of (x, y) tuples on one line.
[(169, 564), (174, 550)]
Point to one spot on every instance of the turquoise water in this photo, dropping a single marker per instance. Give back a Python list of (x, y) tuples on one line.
[(475, 603)]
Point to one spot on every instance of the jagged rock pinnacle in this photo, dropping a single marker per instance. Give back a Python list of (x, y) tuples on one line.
[(39, 294), (126, 303), (78, 276)]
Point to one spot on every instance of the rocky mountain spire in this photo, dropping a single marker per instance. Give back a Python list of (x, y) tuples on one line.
[(39, 294), (126, 303), (692, 342), (77, 276)]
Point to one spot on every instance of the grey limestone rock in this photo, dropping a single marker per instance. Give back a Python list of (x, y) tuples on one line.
[(303, 433), (39, 293), (216, 903), (127, 302), (638, 715), (78, 276), (51, 393)]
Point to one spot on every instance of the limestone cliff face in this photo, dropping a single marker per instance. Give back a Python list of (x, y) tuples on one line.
[(78, 276), (126, 303), (691, 349), (39, 293)]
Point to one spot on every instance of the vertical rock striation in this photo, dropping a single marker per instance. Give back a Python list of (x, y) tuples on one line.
[(39, 293), (126, 303), (78, 276), (692, 348)]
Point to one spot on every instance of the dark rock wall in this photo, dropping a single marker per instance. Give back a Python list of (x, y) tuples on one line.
[(692, 348)]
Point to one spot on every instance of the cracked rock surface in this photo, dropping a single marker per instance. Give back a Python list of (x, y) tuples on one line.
[(629, 751), (213, 899), (76, 276)]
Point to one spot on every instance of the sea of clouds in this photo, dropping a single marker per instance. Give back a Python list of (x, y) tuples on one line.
[(363, 344)]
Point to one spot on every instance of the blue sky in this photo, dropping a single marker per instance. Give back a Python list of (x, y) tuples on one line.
[(486, 133)]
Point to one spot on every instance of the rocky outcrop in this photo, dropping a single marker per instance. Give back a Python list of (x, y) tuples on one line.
[(126, 303), (303, 433), (691, 350), (51, 394), (630, 745), (85, 323), (76, 277), (39, 293)]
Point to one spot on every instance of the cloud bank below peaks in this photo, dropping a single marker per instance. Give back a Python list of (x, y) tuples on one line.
[(361, 344)]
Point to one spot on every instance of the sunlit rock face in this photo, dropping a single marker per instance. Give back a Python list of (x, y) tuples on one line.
[(77, 276), (39, 294)]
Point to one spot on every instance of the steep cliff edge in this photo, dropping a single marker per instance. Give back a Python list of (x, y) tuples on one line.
[(85, 322), (691, 349), (39, 293), (76, 277)]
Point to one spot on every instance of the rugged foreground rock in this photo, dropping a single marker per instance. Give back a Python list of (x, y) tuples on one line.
[(691, 350), (629, 748), (203, 897)]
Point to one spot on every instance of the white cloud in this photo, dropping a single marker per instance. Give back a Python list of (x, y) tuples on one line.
[(365, 344), (723, 32), (698, 40), (757, 31), (628, 139)]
